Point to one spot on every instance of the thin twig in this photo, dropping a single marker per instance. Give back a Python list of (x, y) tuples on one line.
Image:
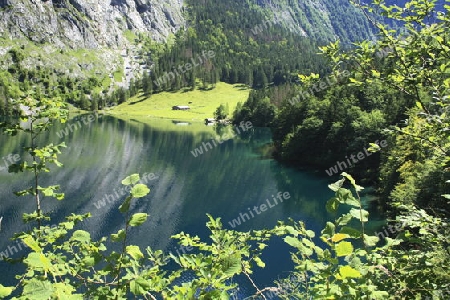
[(253, 283)]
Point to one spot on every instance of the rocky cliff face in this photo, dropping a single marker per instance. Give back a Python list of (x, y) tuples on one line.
[(88, 23)]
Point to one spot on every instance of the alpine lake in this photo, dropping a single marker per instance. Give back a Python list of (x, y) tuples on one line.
[(227, 181)]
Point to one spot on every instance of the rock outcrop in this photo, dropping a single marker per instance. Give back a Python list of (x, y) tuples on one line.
[(88, 24)]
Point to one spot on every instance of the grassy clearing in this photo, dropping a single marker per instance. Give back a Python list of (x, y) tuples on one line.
[(202, 103)]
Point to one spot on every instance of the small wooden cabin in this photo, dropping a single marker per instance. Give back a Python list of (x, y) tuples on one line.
[(180, 107)]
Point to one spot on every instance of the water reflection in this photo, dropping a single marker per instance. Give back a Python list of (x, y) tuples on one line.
[(224, 182)]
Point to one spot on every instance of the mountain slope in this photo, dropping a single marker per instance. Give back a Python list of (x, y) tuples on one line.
[(324, 20), (95, 23), (88, 23)]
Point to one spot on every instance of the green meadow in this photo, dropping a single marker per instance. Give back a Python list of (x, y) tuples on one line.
[(202, 103)]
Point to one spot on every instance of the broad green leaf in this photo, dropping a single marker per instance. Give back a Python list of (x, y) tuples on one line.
[(371, 240), (339, 237), (81, 236), (349, 272), (380, 294), (138, 219), (30, 242), (337, 185), (352, 201), (344, 219), (5, 291), (48, 192), (119, 236), (332, 205), (294, 242), (329, 229), (139, 286), (224, 296), (35, 289), (344, 249), (310, 233), (140, 190), (291, 230), (356, 213), (134, 252), (38, 260), (259, 262), (358, 188), (307, 247), (65, 291), (261, 246), (132, 179), (419, 105), (89, 261)]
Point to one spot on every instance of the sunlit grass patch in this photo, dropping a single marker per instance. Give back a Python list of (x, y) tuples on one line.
[(202, 103)]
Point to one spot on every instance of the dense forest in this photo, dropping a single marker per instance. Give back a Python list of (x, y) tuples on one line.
[(323, 120)]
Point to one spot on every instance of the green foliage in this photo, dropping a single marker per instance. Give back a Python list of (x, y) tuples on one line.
[(403, 75), (221, 112), (257, 109), (46, 83), (36, 117), (347, 264), (415, 169), (324, 274)]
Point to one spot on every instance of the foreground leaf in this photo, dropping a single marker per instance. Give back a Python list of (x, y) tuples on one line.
[(140, 190), (130, 180), (138, 219), (349, 272), (344, 249), (5, 291)]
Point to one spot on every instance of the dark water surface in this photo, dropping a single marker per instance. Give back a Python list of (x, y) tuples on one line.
[(224, 181)]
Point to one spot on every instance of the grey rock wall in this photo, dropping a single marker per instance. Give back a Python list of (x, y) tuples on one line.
[(88, 23)]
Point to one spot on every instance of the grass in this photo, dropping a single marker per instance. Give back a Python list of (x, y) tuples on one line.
[(202, 103), (118, 75), (106, 82), (71, 62), (130, 35)]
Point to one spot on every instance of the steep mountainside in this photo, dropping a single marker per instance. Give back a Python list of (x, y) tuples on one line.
[(323, 20), (94, 23), (88, 23)]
